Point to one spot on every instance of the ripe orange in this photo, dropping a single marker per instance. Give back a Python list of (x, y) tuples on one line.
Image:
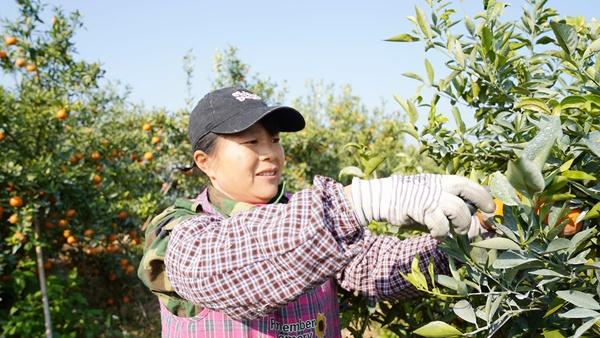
[(147, 127), (155, 140), (148, 156), (2, 136), (3, 54), (63, 223), (10, 40), (16, 202), (130, 270), (19, 236), (499, 207), (71, 240), (31, 68), (97, 179), (123, 262), (111, 248), (62, 114), (104, 142), (48, 265), (13, 219), (111, 238), (123, 215), (20, 62), (71, 213), (67, 233), (88, 233), (74, 159), (572, 228), (95, 155), (125, 299), (110, 301)]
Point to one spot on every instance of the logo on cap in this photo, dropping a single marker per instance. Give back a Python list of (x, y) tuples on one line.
[(243, 96)]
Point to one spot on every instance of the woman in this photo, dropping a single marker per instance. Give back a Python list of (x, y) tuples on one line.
[(246, 259)]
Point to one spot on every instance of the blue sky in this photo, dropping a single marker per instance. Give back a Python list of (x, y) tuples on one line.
[(141, 43)]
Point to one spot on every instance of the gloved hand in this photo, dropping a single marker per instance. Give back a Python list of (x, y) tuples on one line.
[(434, 201)]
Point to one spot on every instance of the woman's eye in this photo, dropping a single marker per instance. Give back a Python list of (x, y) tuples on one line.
[(251, 142), (275, 139)]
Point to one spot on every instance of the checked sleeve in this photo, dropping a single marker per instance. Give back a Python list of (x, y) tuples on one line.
[(375, 272), (259, 260)]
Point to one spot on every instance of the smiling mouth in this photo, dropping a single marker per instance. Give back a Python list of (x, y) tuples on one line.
[(267, 173)]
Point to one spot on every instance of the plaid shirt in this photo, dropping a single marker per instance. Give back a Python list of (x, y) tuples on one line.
[(253, 263)]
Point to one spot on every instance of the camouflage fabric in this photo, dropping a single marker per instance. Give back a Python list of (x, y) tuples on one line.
[(152, 267)]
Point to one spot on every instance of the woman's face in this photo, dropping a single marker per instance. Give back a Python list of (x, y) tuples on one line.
[(246, 166)]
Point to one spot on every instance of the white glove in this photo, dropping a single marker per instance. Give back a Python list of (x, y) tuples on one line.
[(435, 201)]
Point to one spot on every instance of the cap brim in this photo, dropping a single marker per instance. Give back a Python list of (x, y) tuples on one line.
[(288, 119)]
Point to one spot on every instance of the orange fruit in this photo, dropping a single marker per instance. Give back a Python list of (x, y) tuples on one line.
[(125, 299), (104, 142), (88, 233), (10, 40), (148, 156), (572, 228), (97, 179), (74, 159), (123, 215), (499, 207), (3, 54), (129, 270), (63, 223), (48, 265), (71, 213), (19, 236), (135, 242), (20, 62), (123, 262), (95, 155), (147, 127), (61, 114), (110, 301), (111, 238), (31, 68), (71, 240), (155, 140), (2, 136), (49, 225), (67, 233), (111, 248), (16, 202), (13, 219)]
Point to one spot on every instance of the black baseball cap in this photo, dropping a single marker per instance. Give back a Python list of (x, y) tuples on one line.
[(234, 109)]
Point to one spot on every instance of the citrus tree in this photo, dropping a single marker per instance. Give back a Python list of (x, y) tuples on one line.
[(533, 87)]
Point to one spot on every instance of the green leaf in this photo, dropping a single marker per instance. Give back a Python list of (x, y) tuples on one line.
[(544, 40), (524, 175), (502, 189), (437, 329), (413, 76), (351, 171), (372, 164), (579, 313), (593, 213), (402, 38), (576, 102), (422, 22), (558, 244), (547, 273), (554, 306), (511, 259), (593, 141), (429, 70), (464, 310), (580, 299), (447, 281), (592, 49), (498, 243), (575, 175), (533, 104), (409, 128), (553, 334), (458, 119), (566, 36), (538, 149), (585, 326)]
